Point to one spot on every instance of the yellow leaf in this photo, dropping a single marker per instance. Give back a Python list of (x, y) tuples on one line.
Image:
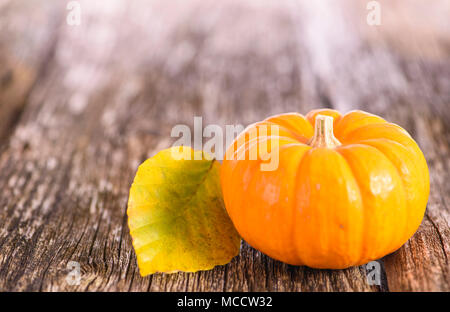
[(177, 217)]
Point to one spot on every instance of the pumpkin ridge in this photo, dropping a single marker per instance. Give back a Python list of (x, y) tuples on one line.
[(363, 204), (369, 126), (300, 137), (336, 123), (407, 141), (397, 236), (362, 116), (298, 254), (235, 172), (397, 171), (292, 235), (408, 212), (245, 212), (255, 164), (356, 119)]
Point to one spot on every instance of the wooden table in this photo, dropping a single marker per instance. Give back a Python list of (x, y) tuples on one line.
[(82, 106)]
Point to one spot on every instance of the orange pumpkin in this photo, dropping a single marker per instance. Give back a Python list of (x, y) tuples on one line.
[(347, 189)]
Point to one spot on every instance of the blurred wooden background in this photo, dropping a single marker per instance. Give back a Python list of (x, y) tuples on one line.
[(82, 106)]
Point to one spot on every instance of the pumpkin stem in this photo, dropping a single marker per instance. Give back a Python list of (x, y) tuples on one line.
[(323, 133)]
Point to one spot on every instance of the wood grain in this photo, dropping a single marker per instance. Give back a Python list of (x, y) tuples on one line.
[(103, 96)]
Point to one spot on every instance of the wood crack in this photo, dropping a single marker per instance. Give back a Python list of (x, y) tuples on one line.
[(441, 240)]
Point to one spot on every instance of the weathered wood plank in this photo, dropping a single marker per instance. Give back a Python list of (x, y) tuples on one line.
[(83, 140), (113, 88), (23, 59)]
